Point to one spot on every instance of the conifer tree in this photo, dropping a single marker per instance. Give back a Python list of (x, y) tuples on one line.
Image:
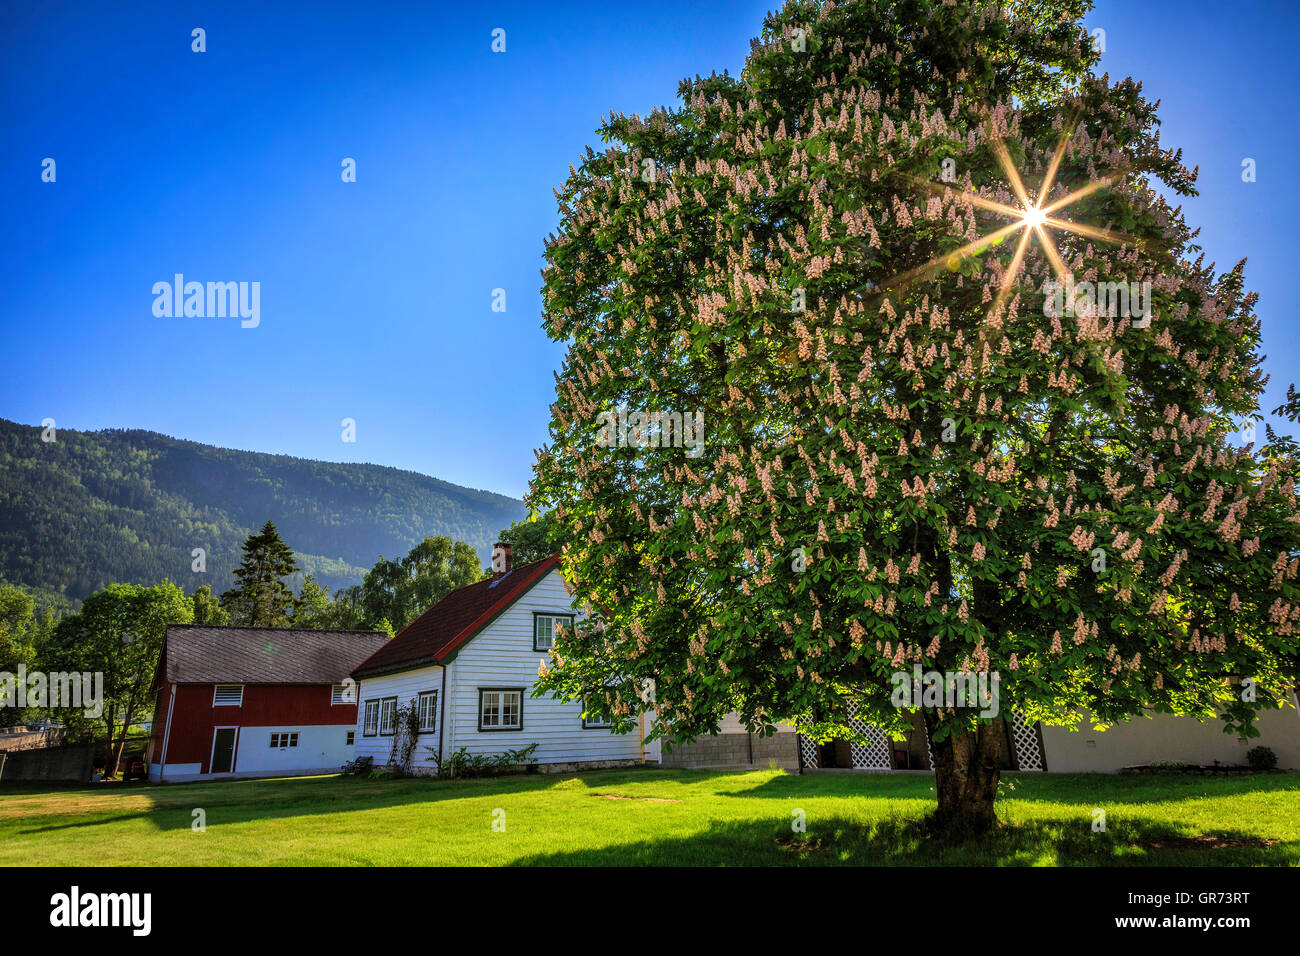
[(262, 597)]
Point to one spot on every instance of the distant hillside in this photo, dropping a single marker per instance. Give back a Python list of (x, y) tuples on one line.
[(116, 505)]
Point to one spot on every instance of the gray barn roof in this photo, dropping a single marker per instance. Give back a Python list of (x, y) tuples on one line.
[(264, 655)]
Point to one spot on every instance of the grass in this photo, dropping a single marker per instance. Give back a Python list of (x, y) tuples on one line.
[(649, 817)]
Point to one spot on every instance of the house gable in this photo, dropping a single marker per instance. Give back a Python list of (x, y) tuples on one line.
[(437, 635)]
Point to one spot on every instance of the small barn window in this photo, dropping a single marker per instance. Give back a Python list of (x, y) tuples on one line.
[(387, 711), (428, 710), (283, 741), (228, 695), (591, 722), (343, 694), (544, 629), (501, 709), (352, 738), (371, 725)]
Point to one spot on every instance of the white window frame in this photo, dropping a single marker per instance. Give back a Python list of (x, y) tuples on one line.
[(387, 716), (216, 694), (538, 617), (369, 727), (339, 694), (284, 740), (432, 713), (351, 739), (501, 694)]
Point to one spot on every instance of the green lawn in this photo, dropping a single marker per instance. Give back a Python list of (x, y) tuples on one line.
[(649, 817)]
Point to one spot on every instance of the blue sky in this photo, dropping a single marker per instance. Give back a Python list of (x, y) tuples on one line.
[(376, 295)]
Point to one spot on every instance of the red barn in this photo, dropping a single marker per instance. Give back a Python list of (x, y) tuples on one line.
[(255, 701)]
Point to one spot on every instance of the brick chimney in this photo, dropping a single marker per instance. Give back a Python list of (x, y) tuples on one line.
[(503, 556)]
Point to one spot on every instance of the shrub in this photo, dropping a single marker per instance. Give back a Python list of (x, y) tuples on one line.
[(1261, 758), (406, 730), (462, 763)]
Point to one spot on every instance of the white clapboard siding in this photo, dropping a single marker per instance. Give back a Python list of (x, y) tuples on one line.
[(405, 686), (502, 655)]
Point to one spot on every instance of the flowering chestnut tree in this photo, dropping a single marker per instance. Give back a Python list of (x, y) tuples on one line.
[(871, 266)]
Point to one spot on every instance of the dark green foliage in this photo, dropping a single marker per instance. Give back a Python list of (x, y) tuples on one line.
[(119, 633), (262, 598), (534, 538), (1261, 758), (97, 507), (208, 609), (400, 591), (24, 631), (462, 763)]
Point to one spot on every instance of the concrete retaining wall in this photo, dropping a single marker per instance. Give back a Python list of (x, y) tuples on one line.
[(735, 751), (71, 763)]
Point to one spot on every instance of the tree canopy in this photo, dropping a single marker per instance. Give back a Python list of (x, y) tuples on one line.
[(262, 597), (118, 633), (843, 261)]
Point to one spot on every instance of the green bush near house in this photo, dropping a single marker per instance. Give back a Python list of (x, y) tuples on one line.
[(1261, 758)]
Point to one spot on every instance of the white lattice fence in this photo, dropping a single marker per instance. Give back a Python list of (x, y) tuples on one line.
[(808, 749), (1024, 740), (877, 753)]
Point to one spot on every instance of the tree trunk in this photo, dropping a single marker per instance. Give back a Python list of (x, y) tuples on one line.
[(115, 757), (966, 776)]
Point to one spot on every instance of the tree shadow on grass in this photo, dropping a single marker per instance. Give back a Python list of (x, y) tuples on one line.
[(837, 841), (1031, 787), (171, 806)]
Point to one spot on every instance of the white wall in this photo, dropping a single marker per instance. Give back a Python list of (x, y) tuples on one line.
[(405, 686), (1164, 737), (321, 746), (502, 655), (176, 771)]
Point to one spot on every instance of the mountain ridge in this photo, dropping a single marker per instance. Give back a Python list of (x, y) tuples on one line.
[(130, 505)]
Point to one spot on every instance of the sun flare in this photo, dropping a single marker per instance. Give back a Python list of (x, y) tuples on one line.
[(1033, 217)]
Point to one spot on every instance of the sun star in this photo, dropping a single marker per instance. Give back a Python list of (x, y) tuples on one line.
[(1032, 218)]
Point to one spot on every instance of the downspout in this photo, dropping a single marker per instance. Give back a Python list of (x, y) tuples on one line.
[(442, 726), (642, 716), (167, 734)]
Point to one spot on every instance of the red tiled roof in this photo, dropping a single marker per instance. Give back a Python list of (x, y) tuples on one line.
[(436, 634), (201, 654)]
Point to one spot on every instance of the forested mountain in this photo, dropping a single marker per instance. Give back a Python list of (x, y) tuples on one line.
[(91, 508)]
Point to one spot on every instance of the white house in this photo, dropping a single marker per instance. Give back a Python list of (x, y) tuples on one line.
[(470, 662)]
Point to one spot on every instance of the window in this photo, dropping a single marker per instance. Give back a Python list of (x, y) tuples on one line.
[(592, 723), (282, 741), (387, 711), (352, 738), (371, 725), (228, 695), (500, 709), (544, 629), (343, 694), (428, 711)]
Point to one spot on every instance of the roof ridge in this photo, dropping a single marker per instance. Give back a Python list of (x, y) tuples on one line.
[(456, 618), (250, 627)]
